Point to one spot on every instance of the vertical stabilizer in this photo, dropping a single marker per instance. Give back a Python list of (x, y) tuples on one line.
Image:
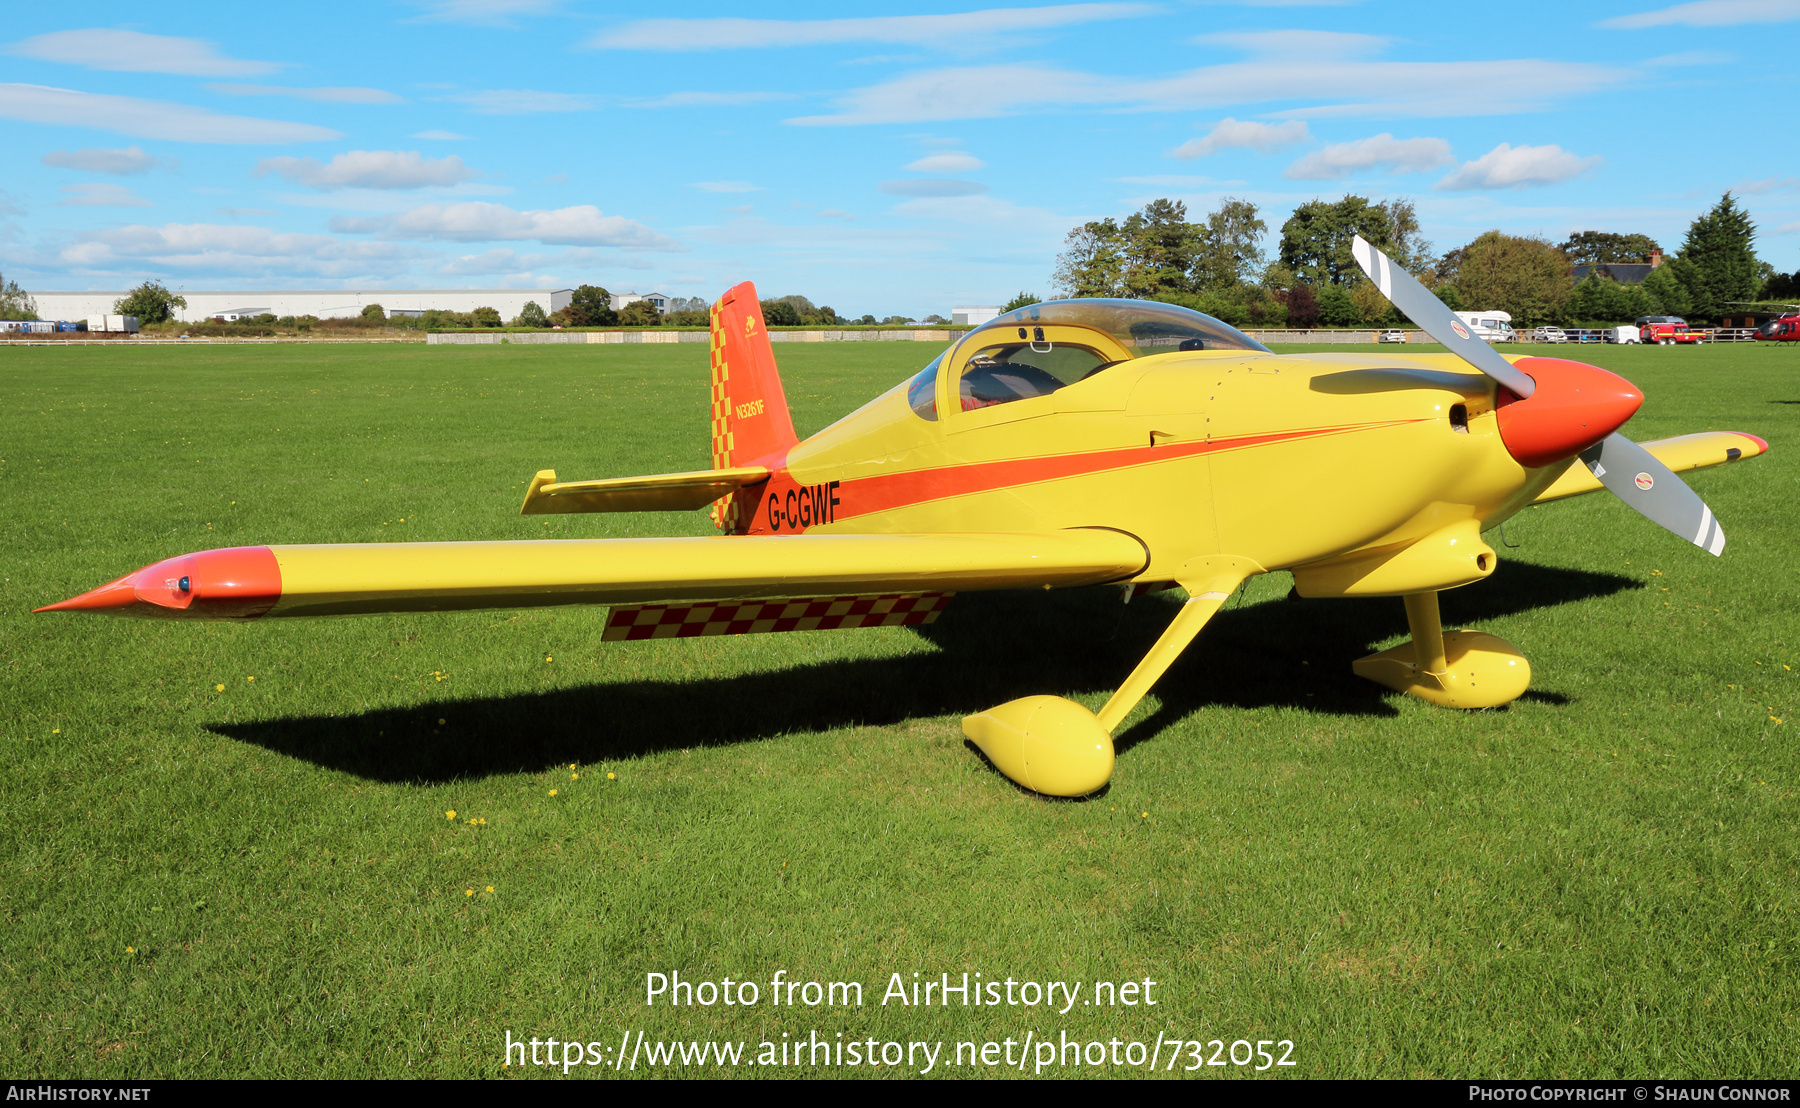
[(750, 420)]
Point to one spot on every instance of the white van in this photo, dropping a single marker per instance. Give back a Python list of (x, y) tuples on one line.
[(1492, 326), (1622, 334)]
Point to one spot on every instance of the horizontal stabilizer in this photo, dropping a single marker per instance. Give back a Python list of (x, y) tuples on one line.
[(1681, 453), (662, 492)]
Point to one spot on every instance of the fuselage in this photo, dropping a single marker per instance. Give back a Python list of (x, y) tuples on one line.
[(1284, 459)]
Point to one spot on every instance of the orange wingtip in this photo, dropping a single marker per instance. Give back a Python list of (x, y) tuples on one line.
[(239, 582)]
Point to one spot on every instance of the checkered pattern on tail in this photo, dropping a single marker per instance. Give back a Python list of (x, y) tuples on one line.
[(752, 617), (724, 510)]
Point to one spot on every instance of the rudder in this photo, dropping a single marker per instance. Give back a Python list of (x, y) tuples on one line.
[(750, 420)]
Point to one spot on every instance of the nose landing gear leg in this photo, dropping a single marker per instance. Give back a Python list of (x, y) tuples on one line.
[(1462, 669)]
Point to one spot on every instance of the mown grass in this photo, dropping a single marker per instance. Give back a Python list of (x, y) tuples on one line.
[(262, 879)]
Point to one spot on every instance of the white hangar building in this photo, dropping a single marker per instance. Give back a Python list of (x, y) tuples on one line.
[(323, 303)]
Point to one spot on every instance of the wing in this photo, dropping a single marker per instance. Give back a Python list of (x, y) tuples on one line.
[(1683, 452), (267, 581)]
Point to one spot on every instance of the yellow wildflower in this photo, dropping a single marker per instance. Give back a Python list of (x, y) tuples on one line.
[(611, 776), (552, 792), (468, 892), (218, 688), (451, 814), (490, 888)]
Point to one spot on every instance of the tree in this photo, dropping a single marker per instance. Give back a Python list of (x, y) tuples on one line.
[(1719, 245), (532, 315), (1372, 308), (1302, 307), (780, 313), (590, 306), (1092, 262), (1526, 277), (1336, 308), (1161, 247), (151, 302), (640, 313), (1230, 251), (1605, 247), (1023, 300), (1782, 286), (1600, 300), (374, 313), (1667, 291), (485, 317), (15, 302), (1315, 241)]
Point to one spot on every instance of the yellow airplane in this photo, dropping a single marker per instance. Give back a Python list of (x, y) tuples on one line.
[(1076, 442)]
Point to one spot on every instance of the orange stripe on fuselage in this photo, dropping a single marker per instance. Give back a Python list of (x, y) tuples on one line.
[(888, 491)]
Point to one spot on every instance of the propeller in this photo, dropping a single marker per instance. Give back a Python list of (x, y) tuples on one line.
[(1576, 413)]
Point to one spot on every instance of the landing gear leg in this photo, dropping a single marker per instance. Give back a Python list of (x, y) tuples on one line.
[(1055, 746), (1464, 669)]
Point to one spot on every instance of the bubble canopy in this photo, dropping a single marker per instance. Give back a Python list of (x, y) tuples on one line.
[(1041, 348), (1139, 327)]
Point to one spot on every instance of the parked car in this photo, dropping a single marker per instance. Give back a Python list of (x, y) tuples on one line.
[(1551, 334), (1391, 336)]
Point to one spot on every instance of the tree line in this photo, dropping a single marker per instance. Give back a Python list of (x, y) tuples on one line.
[(1217, 265)]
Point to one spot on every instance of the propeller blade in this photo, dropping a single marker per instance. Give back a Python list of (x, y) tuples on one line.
[(1633, 474), (1422, 307)]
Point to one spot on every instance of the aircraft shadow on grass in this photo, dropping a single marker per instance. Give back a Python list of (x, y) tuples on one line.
[(992, 647)]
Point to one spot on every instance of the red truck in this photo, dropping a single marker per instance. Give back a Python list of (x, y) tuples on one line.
[(1668, 334)]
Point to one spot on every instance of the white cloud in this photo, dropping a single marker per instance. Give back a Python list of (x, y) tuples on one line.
[(837, 213), (478, 221), (358, 224), (100, 194), (1711, 13), (497, 260), (1767, 184), (222, 248), (932, 187), (323, 95), (152, 119), (484, 13), (1690, 57), (441, 136), (1298, 45), (1510, 167), (136, 52), (710, 99), (1788, 229), (1229, 134), (1446, 88), (1175, 180), (949, 161), (369, 169), (1382, 151), (959, 30), (522, 101), (725, 186), (101, 159)]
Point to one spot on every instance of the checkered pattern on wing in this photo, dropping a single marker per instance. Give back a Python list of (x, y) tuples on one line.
[(750, 617)]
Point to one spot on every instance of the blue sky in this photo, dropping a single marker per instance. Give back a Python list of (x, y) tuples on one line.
[(876, 159)]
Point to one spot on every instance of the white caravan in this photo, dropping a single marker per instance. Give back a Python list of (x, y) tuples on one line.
[(1492, 326)]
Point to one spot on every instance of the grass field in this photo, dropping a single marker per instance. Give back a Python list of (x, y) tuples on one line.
[(229, 850)]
